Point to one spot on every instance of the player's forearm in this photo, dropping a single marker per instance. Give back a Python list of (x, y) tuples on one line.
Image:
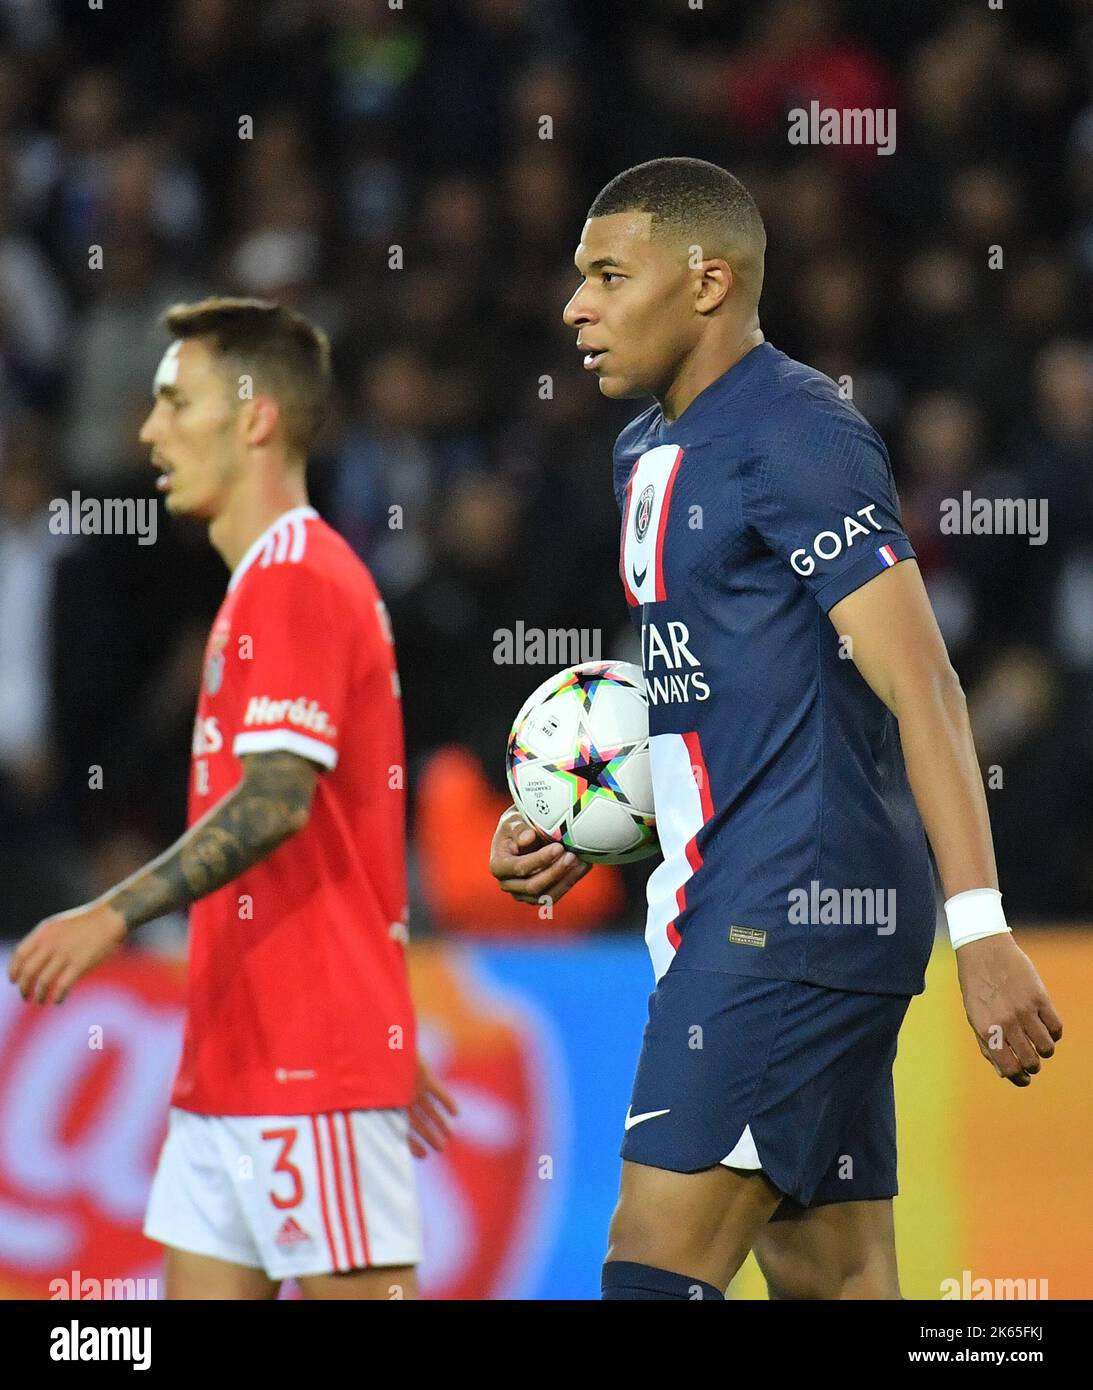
[(939, 752), (247, 825)]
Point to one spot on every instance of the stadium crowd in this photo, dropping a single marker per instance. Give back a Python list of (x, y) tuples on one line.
[(415, 179)]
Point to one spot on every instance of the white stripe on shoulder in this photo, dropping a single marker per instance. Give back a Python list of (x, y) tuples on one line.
[(299, 539), (282, 542)]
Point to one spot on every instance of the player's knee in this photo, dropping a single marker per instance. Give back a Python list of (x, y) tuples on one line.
[(189, 1276), (640, 1234), (870, 1282), (796, 1279), (632, 1234)]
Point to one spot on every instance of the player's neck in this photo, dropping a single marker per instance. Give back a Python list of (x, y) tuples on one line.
[(702, 368), (249, 514)]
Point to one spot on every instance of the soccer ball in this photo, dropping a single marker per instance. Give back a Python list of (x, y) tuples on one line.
[(578, 762)]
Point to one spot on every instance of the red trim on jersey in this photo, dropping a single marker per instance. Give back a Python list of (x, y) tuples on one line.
[(694, 855), (322, 1191), (662, 525), (631, 597), (353, 1168), (339, 1188), (694, 748)]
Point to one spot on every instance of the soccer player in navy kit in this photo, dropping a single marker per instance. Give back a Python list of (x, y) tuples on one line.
[(808, 734)]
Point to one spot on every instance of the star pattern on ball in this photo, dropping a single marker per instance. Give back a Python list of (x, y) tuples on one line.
[(589, 770), (584, 684)]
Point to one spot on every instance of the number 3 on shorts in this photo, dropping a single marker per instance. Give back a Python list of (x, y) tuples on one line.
[(288, 1137)]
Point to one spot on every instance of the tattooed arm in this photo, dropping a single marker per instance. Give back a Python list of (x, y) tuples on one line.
[(272, 802)]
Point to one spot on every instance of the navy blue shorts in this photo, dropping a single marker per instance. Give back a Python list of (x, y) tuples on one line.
[(792, 1078)]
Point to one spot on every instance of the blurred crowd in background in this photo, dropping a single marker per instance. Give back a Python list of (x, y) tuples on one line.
[(467, 456)]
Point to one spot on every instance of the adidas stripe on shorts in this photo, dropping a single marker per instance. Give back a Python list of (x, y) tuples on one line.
[(291, 1194)]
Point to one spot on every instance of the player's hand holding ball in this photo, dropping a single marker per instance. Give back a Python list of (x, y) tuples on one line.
[(529, 867), (578, 768)]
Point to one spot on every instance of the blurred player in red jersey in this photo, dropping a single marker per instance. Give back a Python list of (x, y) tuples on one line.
[(299, 1094)]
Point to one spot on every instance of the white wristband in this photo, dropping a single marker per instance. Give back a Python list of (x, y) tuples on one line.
[(974, 914)]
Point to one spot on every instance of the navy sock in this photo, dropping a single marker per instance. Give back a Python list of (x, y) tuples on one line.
[(621, 1279)]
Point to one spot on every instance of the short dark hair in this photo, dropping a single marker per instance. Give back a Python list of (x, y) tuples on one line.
[(691, 198), (286, 354)]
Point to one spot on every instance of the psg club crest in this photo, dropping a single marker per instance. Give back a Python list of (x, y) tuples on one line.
[(214, 666), (644, 511)]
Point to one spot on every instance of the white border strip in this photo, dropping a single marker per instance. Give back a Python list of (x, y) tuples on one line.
[(288, 741)]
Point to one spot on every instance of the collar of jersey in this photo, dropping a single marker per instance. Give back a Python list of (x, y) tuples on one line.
[(721, 388), (253, 549)]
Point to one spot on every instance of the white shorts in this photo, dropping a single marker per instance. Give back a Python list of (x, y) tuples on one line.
[(291, 1194)]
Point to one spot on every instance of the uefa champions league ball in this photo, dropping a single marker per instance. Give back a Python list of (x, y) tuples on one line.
[(578, 762)]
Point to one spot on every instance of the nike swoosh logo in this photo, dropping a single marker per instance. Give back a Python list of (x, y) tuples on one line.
[(632, 1120), (639, 579)]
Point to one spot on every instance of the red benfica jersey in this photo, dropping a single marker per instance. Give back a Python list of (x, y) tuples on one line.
[(297, 997)]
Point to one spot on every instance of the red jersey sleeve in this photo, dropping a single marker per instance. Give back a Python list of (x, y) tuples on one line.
[(303, 643)]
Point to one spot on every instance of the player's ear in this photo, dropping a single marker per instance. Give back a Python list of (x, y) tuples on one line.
[(713, 288), (261, 419)]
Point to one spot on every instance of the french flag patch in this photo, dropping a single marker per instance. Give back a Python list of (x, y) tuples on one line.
[(887, 556)]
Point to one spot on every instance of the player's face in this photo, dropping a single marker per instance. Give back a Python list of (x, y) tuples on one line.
[(634, 306), (192, 431)]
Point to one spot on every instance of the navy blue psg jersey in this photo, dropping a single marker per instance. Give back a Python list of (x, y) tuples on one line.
[(792, 845)]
